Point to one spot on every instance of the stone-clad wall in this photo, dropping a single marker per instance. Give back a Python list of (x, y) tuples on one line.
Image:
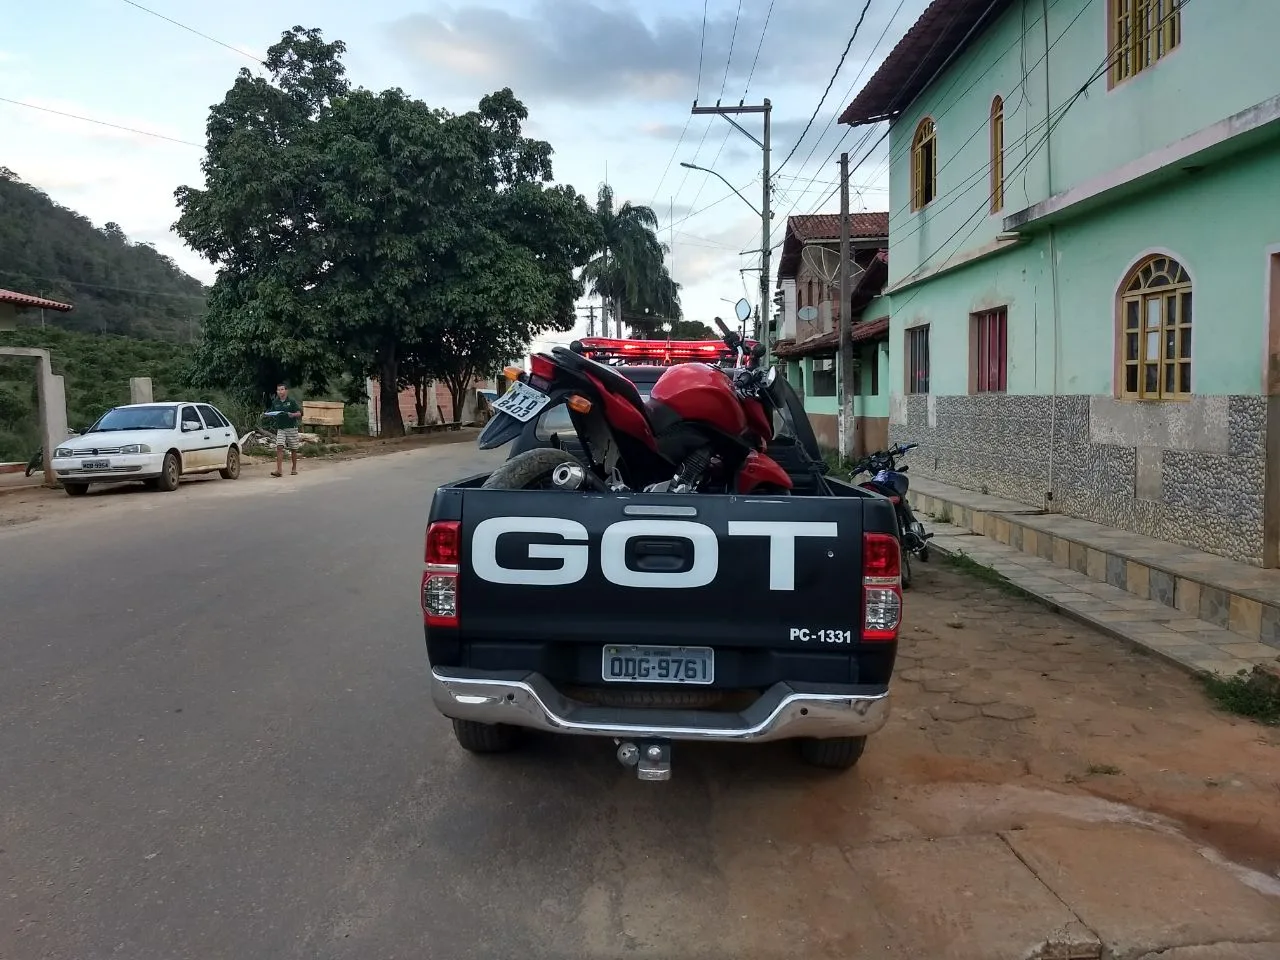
[(1190, 473)]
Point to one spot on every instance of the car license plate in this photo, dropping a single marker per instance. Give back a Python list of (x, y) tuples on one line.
[(658, 665), (94, 464), (521, 401)]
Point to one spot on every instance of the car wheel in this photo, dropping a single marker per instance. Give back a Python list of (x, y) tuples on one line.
[(76, 489), (838, 753), (232, 470), (169, 473), (485, 737)]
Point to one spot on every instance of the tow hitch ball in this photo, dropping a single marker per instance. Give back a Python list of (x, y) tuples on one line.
[(651, 758)]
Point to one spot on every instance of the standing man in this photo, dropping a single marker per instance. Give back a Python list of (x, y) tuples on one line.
[(285, 414)]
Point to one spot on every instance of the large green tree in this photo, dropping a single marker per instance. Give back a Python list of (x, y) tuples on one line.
[(354, 229), (628, 269)]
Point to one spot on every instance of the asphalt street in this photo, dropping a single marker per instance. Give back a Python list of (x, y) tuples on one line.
[(216, 741)]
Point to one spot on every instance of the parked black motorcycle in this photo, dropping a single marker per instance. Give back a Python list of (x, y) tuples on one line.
[(889, 480)]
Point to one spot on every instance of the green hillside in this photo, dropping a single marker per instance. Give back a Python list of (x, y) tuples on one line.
[(115, 285)]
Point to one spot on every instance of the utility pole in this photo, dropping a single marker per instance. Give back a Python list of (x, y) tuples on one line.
[(591, 320), (765, 108), (846, 320)]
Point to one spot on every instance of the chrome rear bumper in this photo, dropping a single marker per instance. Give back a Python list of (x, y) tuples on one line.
[(783, 712)]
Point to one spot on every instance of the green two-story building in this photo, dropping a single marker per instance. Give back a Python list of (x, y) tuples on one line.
[(1084, 259)]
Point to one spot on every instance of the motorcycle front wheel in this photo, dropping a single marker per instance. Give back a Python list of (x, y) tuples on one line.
[(906, 570)]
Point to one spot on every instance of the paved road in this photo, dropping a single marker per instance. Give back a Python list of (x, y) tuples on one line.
[(216, 742)]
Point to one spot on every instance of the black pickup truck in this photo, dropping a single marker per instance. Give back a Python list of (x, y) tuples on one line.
[(650, 618)]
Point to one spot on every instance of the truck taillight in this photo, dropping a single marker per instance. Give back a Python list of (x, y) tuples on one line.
[(440, 580), (881, 587)]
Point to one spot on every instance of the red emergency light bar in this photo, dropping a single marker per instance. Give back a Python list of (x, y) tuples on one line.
[(658, 352)]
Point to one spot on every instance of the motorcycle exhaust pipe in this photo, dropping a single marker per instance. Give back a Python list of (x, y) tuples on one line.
[(568, 476)]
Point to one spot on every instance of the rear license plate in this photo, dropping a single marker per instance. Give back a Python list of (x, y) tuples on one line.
[(521, 401), (94, 464), (696, 665)]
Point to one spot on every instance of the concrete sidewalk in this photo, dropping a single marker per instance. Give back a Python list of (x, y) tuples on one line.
[(1195, 610)]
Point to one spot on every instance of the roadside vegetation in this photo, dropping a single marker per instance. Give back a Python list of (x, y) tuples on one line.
[(1254, 694)]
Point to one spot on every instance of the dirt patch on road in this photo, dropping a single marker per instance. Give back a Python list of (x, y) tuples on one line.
[(994, 689)]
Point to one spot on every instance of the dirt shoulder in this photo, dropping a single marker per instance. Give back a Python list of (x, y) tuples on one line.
[(24, 502), (996, 689)]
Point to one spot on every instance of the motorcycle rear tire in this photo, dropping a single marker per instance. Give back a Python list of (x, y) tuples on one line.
[(530, 470)]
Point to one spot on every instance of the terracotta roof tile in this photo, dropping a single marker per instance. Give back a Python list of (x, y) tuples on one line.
[(940, 35), (826, 226), (26, 300)]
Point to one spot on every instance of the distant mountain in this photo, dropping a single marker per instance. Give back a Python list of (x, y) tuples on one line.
[(116, 286)]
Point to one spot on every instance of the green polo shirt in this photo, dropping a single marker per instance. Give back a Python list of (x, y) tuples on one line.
[(286, 406)]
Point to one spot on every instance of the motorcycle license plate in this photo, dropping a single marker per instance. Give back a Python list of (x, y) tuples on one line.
[(521, 401), (689, 665)]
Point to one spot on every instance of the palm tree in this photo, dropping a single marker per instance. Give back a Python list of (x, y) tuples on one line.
[(629, 271)]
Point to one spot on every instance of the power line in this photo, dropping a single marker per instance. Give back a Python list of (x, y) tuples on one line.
[(103, 286), (835, 73), (759, 46), (702, 42), (732, 39), (195, 31), (102, 123)]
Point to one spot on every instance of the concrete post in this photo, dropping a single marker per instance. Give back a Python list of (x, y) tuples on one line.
[(372, 405), (140, 390), (52, 400)]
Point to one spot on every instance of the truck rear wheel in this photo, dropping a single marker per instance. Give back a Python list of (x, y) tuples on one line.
[(485, 737), (530, 470), (838, 753)]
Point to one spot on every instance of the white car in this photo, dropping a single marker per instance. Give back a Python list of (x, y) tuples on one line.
[(156, 443)]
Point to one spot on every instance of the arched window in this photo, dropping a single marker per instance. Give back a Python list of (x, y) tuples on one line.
[(997, 154), (924, 164), (1155, 322)]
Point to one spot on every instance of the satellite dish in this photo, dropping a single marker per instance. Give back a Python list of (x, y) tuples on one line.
[(742, 309), (807, 314), (824, 263)]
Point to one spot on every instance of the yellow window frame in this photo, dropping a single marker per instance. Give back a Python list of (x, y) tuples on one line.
[(924, 164), (1141, 32), (1155, 331), (997, 154)]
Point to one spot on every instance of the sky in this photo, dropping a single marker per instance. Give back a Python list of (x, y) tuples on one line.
[(609, 83)]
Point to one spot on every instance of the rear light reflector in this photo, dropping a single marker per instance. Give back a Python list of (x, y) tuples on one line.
[(442, 543), (542, 367), (881, 587), (440, 580)]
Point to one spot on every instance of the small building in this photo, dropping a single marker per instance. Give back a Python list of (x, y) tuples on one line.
[(1084, 270), (809, 328)]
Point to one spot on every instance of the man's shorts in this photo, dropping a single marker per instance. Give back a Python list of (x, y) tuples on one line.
[(287, 438)]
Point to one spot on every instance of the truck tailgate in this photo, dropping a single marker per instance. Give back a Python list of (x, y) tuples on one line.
[(643, 569)]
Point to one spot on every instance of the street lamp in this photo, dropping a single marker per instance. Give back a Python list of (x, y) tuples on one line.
[(694, 166)]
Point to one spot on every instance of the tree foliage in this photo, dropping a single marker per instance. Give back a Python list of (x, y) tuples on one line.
[(356, 229), (628, 268), (116, 286)]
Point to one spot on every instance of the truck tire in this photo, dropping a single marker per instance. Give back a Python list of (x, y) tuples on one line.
[(838, 753), (530, 470), (485, 737)]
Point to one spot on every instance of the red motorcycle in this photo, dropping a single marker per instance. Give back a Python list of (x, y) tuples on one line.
[(703, 429)]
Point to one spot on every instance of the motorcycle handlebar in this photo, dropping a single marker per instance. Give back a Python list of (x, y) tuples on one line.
[(720, 324)]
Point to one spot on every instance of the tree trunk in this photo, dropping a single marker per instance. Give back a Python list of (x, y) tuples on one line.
[(457, 390), (391, 422), (617, 318), (420, 399)]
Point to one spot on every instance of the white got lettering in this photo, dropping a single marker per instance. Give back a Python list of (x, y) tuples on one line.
[(782, 544), (573, 556), (613, 554)]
